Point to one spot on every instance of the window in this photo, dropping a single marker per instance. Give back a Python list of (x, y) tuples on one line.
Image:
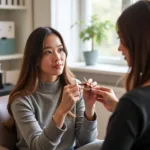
[(63, 15), (107, 10)]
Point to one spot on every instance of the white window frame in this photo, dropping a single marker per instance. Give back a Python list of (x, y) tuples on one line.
[(68, 9)]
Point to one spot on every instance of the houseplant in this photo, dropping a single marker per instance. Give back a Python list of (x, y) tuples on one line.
[(95, 32)]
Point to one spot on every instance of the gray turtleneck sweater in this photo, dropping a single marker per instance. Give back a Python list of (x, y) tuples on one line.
[(36, 129)]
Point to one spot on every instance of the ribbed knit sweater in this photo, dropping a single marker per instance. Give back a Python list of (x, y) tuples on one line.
[(36, 129)]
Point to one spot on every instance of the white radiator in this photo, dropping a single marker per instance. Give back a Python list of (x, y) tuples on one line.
[(103, 115)]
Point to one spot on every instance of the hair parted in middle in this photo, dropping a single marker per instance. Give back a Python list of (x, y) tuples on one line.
[(30, 73)]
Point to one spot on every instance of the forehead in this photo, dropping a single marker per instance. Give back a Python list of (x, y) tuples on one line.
[(52, 40)]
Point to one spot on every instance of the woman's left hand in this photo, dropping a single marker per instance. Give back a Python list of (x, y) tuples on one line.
[(89, 99)]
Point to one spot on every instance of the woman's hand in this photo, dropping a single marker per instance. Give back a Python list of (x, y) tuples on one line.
[(89, 99), (71, 94), (106, 96)]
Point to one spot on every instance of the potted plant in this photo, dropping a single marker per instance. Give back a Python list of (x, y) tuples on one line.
[(96, 32)]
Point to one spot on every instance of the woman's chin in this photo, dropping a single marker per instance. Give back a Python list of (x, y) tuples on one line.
[(126, 61)]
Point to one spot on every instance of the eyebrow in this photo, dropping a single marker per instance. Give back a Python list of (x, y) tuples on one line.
[(48, 47)]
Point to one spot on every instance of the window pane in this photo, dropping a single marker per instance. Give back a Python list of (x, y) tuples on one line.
[(108, 10)]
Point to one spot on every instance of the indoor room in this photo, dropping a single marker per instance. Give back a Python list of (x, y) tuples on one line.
[(89, 30)]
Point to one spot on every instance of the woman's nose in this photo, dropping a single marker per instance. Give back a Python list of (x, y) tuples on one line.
[(56, 56)]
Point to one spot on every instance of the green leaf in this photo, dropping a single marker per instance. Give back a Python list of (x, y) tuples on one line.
[(96, 31)]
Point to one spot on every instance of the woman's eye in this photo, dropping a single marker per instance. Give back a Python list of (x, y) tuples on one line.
[(61, 49), (48, 52)]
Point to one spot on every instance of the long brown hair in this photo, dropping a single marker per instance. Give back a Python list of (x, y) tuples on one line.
[(29, 75), (134, 27)]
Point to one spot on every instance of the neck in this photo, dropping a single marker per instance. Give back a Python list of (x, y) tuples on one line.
[(49, 78), (49, 86)]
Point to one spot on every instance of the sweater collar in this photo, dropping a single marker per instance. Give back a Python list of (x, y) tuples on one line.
[(49, 86)]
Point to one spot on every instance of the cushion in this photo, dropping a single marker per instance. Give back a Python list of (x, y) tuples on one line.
[(7, 137)]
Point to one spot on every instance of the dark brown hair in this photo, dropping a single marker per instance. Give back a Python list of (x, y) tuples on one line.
[(29, 76), (133, 26)]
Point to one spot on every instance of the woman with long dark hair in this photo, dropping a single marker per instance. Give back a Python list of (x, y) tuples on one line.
[(129, 125), (46, 105)]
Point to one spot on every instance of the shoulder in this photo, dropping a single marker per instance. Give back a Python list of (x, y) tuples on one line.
[(133, 93), (137, 99), (21, 102), (139, 95)]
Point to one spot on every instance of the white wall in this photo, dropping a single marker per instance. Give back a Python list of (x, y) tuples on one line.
[(41, 13)]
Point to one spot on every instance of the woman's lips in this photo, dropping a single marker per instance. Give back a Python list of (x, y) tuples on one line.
[(57, 66)]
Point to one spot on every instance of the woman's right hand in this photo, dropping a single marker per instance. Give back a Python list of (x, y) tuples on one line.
[(71, 94), (106, 96)]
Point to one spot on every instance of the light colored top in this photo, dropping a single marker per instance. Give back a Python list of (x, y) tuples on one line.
[(36, 129)]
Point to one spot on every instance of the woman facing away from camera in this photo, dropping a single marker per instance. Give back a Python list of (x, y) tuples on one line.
[(46, 98), (129, 125)]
